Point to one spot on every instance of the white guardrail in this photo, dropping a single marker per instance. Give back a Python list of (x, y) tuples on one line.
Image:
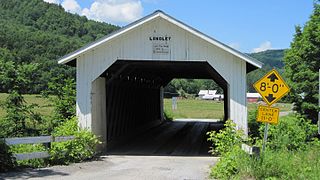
[(45, 140)]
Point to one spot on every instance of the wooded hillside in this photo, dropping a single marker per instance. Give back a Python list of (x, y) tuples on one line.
[(33, 31)]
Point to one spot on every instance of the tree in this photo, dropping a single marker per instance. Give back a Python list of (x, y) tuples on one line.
[(16, 79), (302, 63)]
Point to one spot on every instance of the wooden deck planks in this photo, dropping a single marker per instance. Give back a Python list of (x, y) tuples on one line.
[(169, 138)]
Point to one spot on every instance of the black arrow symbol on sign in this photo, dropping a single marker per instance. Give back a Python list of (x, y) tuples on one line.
[(272, 77), (270, 97)]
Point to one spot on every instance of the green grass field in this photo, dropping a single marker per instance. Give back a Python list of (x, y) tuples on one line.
[(192, 108), (187, 108), (45, 107)]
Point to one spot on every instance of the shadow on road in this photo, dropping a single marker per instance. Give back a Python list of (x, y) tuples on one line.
[(32, 173), (172, 138)]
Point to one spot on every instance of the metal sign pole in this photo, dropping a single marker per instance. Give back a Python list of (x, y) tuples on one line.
[(265, 137), (319, 106)]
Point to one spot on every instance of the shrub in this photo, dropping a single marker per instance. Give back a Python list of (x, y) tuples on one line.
[(228, 165), (291, 153), (253, 125), (6, 158), (81, 148), (168, 115), (29, 148), (226, 139), (291, 133)]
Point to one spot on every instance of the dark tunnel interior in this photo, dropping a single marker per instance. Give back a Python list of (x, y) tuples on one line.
[(133, 91)]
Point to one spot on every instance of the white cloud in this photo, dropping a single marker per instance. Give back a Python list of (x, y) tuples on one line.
[(52, 1), (263, 47), (235, 45), (110, 11), (71, 6), (114, 11)]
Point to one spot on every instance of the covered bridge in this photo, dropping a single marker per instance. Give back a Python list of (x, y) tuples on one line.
[(120, 77)]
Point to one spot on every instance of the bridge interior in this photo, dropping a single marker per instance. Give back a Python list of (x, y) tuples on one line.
[(134, 108)]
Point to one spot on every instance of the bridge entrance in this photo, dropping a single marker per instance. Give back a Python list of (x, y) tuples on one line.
[(134, 99)]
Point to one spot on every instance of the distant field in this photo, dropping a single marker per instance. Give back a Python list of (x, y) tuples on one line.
[(45, 108), (192, 108)]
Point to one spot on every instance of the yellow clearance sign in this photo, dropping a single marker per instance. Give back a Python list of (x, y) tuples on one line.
[(268, 114), (271, 87)]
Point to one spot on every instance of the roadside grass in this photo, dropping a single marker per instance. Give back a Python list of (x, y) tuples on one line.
[(45, 107)]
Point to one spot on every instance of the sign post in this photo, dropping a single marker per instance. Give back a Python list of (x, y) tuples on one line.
[(174, 103), (265, 136), (271, 87)]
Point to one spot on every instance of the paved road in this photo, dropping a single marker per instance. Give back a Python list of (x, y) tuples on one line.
[(125, 167)]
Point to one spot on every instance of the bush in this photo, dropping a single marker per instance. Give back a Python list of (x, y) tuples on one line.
[(226, 139), (29, 148), (282, 164), (81, 148), (291, 153), (168, 115), (6, 158), (229, 164), (253, 125), (291, 133)]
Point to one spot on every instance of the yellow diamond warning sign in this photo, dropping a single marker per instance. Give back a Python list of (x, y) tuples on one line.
[(271, 87), (268, 114)]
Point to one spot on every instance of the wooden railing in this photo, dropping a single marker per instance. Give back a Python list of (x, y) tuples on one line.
[(45, 140)]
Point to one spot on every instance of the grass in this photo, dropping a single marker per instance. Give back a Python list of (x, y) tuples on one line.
[(45, 107), (194, 108), (187, 108)]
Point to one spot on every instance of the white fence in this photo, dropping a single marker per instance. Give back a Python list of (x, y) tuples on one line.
[(45, 140)]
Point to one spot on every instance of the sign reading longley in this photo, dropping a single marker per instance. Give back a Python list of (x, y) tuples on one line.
[(160, 44)]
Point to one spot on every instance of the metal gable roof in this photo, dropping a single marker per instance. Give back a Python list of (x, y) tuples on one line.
[(72, 56)]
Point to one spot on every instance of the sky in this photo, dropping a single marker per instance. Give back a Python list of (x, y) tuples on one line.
[(246, 25)]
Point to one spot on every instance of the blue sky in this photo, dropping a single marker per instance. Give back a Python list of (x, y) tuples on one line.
[(246, 25)]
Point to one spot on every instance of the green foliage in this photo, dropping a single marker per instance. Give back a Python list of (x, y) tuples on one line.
[(191, 86), (253, 125), (20, 118), (29, 148), (281, 164), (81, 148), (168, 115), (6, 158), (291, 133), (226, 139), (302, 63), (39, 32), (64, 100), (291, 154), (228, 165)]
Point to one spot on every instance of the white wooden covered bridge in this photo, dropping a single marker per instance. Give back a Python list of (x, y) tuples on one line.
[(120, 77)]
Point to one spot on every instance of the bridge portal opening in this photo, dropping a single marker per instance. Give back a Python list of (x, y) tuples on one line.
[(135, 123), (194, 100)]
